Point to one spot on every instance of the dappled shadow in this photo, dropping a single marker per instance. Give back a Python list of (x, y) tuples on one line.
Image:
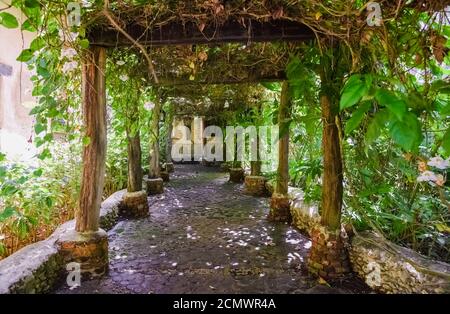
[(204, 235)]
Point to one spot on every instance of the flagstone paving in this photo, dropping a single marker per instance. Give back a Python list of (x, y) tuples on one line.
[(204, 235)]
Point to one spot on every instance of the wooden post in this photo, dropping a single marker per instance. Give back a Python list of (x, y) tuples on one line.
[(332, 188), (154, 170), (255, 166), (134, 162), (87, 244), (279, 203), (94, 154), (134, 202), (283, 144), (169, 134), (328, 257)]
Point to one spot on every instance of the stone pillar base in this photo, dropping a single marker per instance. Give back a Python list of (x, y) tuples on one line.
[(165, 176), (89, 249), (169, 167), (280, 209), (207, 163), (135, 204), (255, 185), (154, 186), (328, 257), (224, 167), (236, 175)]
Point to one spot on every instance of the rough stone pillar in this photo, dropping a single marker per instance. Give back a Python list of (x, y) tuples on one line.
[(280, 203), (236, 175), (87, 244), (89, 249), (135, 204), (328, 256), (169, 167), (165, 176), (154, 186), (255, 185)]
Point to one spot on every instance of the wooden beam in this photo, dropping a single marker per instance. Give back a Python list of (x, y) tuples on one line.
[(94, 154), (189, 33), (166, 81)]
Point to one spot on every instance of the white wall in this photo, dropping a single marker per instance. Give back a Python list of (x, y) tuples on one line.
[(16, 126)]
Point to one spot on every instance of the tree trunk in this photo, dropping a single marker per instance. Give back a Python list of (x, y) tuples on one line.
[(255, 166), (94, 154), (134, 162), (332, 188), (283, 144), (169, 135), (154, 170)]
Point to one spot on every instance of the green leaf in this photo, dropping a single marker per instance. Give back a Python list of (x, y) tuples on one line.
[(86, 140), (49, 201), (442, 228), (355, 89), (38, 172), (357, 117), (8, 20), (7, 213), (407, 133), (2, 171), (275, 87), (446, 142), (37, 44), (38, 128), (8, 189), (45, 154), (25, 55), (84, 43), (376, 125), (28, 26), (395, 105), (31, 3)]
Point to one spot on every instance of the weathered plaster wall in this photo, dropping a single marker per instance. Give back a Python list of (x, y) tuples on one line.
[(15, 92)]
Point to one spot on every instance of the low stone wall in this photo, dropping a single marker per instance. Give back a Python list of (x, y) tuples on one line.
[(383, 265), (305, 217), (389, 268), (36, 268)]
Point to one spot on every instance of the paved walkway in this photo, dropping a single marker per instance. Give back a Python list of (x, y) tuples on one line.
[(205, 236)]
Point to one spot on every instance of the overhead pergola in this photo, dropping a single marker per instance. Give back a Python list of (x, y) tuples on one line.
[(127, 32), (190, 33)]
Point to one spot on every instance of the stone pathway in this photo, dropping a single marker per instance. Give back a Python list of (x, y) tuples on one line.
[(205, 236)]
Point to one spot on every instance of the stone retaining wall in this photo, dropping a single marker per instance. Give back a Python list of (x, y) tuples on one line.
[(389, 268), (36, 268), (385, 266), (305, 217)]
